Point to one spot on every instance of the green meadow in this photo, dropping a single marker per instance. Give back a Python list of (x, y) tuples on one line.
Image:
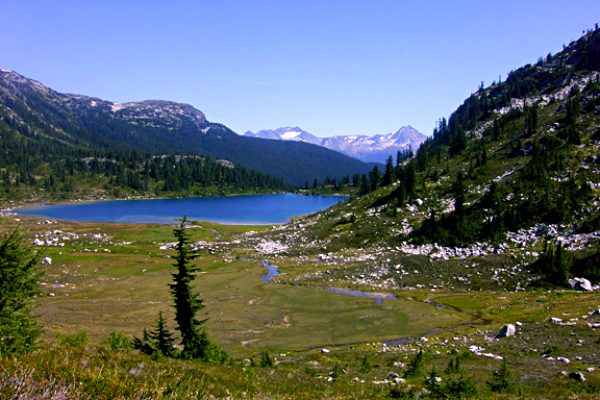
[(116, 281)]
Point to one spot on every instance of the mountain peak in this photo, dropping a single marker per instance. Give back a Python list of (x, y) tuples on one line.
[(286, 133), (160, 113), (376, 148), (160, 110)]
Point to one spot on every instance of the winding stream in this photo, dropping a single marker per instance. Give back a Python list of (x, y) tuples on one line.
[(273, 271)]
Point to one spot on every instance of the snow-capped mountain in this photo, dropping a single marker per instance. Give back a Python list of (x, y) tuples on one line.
[(287, 133), (375, 148)]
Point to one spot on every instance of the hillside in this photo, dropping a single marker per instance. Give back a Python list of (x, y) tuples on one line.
[(514, 167), (30, 109), (376, 148)]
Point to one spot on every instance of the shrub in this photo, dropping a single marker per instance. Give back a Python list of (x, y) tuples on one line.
[(265, 360), (78, 339), (118, 342)]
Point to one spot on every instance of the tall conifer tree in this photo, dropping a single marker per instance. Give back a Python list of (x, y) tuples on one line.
[(187, 304)]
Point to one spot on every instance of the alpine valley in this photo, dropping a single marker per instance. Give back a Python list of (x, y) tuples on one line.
[(468, 268)]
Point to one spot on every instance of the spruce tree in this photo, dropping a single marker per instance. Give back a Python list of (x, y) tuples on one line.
[(375, 178), (410, 180), (187, 304), (415, 364), (19, 283), (390, 174), (162, 337), (364, 185), (500, 381), (459, 202), (159, 341)]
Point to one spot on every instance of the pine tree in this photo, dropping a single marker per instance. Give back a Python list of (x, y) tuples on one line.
[(187, 304), (159, 341), (375, 178), (554, 264), (19, 282), (432, 383), (415, 364), (532, 120), (163, 339), (364, 185), (500, 381), (453, 366), (390, 174), (459, 191), (400, 196)]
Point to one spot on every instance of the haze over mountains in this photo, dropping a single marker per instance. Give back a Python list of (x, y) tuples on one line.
[(37, 113), (376, 148)]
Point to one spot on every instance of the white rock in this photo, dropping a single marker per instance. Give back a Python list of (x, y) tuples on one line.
[(581, 284), (325, 351), (578, 376), (507, 330)]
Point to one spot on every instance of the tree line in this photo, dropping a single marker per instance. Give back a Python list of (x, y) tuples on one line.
[(34, 162)]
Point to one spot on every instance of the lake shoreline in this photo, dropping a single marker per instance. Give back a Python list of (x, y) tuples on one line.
[(7, 205), (244, 209)]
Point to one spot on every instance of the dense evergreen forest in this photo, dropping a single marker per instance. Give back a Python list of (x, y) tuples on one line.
[(30, 162)]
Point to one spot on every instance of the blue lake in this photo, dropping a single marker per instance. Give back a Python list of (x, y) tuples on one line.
[(247, 209)]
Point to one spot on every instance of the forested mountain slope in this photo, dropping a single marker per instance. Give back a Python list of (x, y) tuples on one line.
[(31, 109), (517, 164)]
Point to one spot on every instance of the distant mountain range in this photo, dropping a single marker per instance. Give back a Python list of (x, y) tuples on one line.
[(375, 148), (35, 112)]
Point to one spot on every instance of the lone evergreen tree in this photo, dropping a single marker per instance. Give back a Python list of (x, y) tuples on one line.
[(187, 304), (19, 282), (193, 335)]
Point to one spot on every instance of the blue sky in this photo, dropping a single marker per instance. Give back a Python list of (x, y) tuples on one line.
[(330, 67)]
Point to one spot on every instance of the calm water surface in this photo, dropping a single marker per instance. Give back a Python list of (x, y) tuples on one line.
[(248, 209)]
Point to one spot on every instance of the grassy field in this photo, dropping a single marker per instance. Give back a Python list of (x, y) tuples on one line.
[(113, 278), (108, 287)]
